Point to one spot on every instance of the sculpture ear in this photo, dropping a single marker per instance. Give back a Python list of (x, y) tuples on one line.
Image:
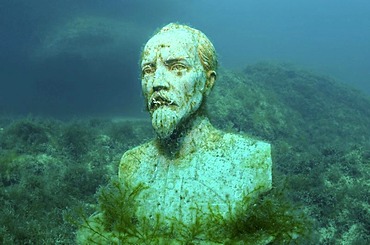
[(211, 78)]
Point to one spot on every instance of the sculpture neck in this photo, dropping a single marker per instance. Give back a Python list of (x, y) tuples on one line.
[(189, 136)]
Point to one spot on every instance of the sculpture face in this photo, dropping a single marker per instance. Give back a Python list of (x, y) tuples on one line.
[(173, 79)]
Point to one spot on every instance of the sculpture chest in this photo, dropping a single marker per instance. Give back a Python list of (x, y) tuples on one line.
[(213, 179)]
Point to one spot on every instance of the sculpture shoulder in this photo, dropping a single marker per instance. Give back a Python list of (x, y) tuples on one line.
[(132, 158), (250, 156), (242, 141), (239, 147)]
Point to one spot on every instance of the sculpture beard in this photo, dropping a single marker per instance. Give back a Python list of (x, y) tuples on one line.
[(165, 120), (167, 114)]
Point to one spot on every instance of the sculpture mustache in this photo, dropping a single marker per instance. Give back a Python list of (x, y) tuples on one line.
[(160, 99)]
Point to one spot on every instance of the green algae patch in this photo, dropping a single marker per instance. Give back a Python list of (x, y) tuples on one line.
[(270, 218)]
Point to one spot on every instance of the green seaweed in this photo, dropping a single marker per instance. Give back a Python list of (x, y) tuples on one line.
[(271, 217)]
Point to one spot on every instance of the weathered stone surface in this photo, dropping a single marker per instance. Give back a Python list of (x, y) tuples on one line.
[(215, 172)]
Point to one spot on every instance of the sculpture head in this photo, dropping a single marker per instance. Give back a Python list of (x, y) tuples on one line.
[(178, 68)]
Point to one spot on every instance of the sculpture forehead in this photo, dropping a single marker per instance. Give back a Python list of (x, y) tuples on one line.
[(171, 44)]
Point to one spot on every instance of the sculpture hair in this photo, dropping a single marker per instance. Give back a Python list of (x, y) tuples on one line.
[(206, 50)]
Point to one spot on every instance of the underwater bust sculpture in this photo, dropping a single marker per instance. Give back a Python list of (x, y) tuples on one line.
[(191, 169), (191, 176)]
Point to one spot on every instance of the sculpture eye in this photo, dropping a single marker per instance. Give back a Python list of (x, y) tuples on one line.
[(178, 67), (148, 69)]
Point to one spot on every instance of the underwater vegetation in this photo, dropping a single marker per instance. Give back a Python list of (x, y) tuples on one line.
[(270, 218), (49, 166), (319, 130)]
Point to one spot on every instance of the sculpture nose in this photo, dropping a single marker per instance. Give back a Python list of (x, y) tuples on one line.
[(160, 82)]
